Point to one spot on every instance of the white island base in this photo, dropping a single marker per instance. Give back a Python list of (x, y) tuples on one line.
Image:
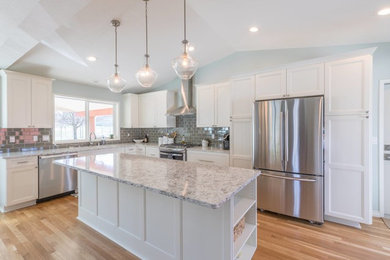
[(154, 226)]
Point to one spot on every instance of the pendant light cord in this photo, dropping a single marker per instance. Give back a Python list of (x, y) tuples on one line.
[(146, 34), (185, 42), (116, 49)]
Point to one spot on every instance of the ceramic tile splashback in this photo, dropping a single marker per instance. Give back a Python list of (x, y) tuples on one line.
[(186, 127), (10, 137)]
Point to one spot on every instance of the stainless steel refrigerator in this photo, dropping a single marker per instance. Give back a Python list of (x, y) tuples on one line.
[(288, 148)]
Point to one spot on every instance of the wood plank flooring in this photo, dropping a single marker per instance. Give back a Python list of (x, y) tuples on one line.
[(50, 230)]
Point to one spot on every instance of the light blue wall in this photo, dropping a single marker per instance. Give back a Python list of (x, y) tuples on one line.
[(252, 61), (84, 91)]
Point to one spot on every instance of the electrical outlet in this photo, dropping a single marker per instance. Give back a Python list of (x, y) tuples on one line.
[(46, 138), (12, 139), (35, 138)]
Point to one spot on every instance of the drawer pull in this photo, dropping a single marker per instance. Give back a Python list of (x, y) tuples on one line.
[(205, 161), (22, 162)]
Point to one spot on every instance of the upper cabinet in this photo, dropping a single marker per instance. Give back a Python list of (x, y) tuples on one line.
[(271, 85), (213, 105), (305, 81), (242, 97), (152, 109), (348, 86), (27, 101), (129, 111), (292, 82)]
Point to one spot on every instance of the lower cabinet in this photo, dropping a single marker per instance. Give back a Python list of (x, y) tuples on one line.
[(214, 158), (136, 149), (152, 152), (19, 183)]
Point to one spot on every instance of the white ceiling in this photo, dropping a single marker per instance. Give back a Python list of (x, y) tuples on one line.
[(53, 37)]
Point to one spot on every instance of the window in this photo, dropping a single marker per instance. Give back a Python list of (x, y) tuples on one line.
[(75, 119)]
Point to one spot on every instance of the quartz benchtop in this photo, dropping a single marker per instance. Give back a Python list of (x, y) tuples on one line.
[(205, 185)]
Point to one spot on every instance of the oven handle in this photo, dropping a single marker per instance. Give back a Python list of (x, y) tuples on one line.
[(287, 178), (173, 154)]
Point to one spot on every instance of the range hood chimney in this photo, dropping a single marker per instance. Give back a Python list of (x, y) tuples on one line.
[(185, 95)]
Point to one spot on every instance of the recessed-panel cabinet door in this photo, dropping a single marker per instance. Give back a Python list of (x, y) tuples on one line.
[(306, 81), (22, 185), (146, 110), (222, 104), (205, 101), (41, 103), (348, 86), (242, 96), (241, 143), (347, 168), (19, 101), (271, 85)]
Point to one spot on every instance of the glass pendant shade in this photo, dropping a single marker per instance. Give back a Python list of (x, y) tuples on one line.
[(146, 76), (116, 83), (185, 66)]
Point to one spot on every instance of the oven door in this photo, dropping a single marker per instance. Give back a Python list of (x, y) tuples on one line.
[(173, 156)]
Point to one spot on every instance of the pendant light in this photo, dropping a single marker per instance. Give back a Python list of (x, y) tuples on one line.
[(184, 65), (146, 76), (115, 82)]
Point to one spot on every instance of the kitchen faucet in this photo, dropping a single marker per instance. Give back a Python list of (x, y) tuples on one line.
[(90, 137)]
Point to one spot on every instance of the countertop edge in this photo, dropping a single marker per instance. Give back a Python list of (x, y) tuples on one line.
[(198, 202)]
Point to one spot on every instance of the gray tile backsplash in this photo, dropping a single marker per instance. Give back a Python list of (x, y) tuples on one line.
[(185, 127)]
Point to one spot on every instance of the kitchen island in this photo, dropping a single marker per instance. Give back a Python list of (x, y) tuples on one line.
[(166, 209)]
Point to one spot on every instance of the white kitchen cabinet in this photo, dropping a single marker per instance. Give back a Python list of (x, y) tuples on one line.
[(348, 153), (205, 96), (347, 168), (306, 80), (213, 105), (348, 86), (222, 104), (242, 97), (27, 101), (241, 143), (152, 151), (271, 85), (152, 109), (213, 158), (129, 111), (137, 149), (19, 183)]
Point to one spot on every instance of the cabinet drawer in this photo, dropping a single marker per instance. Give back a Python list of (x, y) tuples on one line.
[(152, 152), (22, 162), (208, 158), (139, 150)]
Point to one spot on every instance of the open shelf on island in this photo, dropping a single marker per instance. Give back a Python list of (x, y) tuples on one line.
[(246, 252), (241, 240), (241, 207)]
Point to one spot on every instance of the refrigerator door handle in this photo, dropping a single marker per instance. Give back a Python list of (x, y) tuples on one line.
[(282, 138), (286, 138), (287, 178)]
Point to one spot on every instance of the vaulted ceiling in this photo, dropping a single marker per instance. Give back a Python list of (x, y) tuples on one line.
[(53, 37)]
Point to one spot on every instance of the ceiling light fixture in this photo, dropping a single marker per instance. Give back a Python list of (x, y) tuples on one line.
[(253, 29), (191, 47), (146, 76), (184, 65), (91, 58), (385, 11), (116, 83)]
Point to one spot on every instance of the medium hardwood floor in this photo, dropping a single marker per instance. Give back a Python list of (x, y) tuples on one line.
[(50, 230)]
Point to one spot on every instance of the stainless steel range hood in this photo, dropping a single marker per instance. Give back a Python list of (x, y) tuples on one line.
[(185, 108)]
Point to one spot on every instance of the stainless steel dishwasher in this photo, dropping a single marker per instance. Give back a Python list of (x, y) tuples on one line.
[(55, 180)]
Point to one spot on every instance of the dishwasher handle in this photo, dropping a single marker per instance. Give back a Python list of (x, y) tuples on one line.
[(58, 155)]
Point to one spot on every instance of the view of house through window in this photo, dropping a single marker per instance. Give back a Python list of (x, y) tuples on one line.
[(75, 119)]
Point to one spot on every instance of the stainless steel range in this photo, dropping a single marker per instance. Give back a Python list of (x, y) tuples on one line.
[(174, 151)]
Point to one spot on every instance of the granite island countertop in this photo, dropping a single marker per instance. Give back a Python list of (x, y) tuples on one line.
[(205, 185)]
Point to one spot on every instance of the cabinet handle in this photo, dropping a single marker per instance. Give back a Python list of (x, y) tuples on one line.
[(22, 162), (205, 161), (367, 111)]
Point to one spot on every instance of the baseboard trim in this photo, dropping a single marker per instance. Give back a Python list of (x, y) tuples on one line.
[(18, 206), (343, 222), (377, 214)]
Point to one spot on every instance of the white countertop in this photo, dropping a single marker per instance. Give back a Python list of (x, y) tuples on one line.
[(206, 185), (95, 147)]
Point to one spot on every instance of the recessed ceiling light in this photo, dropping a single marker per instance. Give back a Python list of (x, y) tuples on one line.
[(253, 29), (91, 58), (385, 11)]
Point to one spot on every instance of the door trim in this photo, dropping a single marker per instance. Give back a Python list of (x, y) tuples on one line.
[(381, 148)]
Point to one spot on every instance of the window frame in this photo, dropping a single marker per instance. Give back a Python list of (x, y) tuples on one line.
[(87, 131)]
